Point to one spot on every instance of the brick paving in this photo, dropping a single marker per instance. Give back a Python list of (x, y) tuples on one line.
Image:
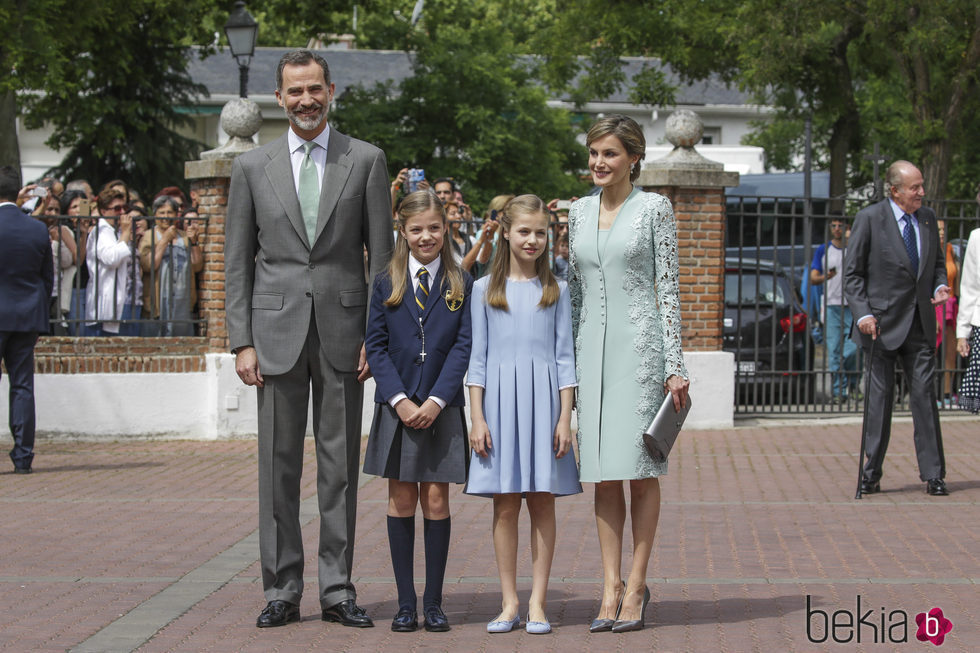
[(150, 545)]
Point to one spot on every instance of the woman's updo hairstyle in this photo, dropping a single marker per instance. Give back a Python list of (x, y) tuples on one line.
[(629, 133)]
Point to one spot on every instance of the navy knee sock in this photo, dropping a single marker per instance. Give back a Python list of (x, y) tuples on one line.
[(401, 542), (436, 533)]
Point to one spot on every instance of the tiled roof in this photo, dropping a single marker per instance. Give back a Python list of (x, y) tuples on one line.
[(219, 73)]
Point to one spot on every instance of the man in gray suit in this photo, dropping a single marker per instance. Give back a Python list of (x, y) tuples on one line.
[(895, 274), (302, 210)]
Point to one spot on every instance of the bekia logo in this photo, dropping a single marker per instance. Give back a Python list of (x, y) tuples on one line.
[(876, 626), (933, 626)]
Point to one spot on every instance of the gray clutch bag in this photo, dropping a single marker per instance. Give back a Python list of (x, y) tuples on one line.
[(664, 428)]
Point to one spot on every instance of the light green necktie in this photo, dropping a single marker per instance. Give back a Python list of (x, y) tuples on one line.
[(309, 191)]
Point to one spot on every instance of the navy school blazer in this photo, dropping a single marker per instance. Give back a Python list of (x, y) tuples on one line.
[(394, 342)]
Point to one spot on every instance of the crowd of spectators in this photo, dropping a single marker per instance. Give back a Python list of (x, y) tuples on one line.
[(123, 266), (473, 239)]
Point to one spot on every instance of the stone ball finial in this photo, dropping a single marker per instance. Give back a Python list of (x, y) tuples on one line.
[(684, 128), (241, 117)]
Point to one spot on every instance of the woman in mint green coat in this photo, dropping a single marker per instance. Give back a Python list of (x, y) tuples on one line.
[(623, 276)]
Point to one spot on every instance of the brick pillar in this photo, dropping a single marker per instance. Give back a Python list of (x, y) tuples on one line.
[(696, 187), (700, 214), (210, 179)]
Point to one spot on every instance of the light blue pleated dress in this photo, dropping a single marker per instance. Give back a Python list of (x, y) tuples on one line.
[(522, 358)]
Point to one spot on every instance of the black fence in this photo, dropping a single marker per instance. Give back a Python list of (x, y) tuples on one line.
[(144, 286), (792, 349)]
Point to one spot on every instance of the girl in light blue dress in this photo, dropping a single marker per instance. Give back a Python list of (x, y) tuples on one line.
[(522, 383)]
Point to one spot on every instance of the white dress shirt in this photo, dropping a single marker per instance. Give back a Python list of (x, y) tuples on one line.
[(899, 214), (969, 313), (413, 269), (318, 154)]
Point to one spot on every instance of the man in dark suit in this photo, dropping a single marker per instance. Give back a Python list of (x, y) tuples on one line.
[(301, 212), (895, 274), (25, 291)]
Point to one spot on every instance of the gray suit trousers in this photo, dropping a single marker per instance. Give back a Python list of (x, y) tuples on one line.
[(282, 409), (919, 363)]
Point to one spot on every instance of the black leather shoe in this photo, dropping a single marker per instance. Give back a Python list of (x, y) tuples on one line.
[(348, 614), (435, 619), (867, 487), (936, 487), (405, 621), (23, 470), (278, 613)]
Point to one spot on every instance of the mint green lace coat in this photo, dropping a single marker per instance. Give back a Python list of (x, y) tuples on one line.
[(627, 322)]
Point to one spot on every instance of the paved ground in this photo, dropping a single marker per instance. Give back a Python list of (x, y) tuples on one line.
[(151, 545)]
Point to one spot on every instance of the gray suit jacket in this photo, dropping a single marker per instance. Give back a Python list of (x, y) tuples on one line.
[(878, 275), (274, 277)]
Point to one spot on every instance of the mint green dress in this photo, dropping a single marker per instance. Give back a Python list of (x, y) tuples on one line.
[(627, 322)]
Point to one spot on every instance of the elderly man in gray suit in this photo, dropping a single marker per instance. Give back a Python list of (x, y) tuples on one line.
[(301, 212), (895, 274)]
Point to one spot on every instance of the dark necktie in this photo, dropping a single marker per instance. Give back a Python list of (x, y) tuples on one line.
[(908, 235), (422, 292)]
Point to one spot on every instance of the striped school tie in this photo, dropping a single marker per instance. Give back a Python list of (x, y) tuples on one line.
[(422, 292)]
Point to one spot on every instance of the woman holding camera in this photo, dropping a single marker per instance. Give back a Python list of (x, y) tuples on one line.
[(170, 258), (623, 274), (64, 252)]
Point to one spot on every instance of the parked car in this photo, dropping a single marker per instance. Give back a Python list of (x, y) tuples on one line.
[(767, 329), (793, 259)]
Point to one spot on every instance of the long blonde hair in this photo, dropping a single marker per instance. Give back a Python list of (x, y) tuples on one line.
[(415, 204), (500, 267)]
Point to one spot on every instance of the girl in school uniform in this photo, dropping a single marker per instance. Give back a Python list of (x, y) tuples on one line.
[(522, 382), (418, 346)]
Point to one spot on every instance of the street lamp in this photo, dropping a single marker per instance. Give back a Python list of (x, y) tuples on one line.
[(242, 30)]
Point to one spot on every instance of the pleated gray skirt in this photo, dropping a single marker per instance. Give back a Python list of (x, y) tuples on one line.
[(437, 454)]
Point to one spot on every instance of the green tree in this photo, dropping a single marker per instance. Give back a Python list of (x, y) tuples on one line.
[(800, 58), (109, 79), (472, 109), (904, 74), (587, 38), (28, 55), (901, 71), (935, 47)]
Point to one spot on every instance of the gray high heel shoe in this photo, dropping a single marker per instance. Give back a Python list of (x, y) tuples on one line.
[(602, 625), (633, 624)]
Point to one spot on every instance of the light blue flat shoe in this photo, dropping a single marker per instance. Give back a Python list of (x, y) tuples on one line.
[(504, 625), (537, 627)]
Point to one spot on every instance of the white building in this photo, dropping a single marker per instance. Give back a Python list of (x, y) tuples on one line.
[(726, 112)]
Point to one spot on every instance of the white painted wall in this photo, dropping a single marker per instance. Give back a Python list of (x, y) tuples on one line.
[(215, 405), (743, 159), (712, 375)]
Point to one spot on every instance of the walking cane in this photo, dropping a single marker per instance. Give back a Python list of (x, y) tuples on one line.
[(864, 422)]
